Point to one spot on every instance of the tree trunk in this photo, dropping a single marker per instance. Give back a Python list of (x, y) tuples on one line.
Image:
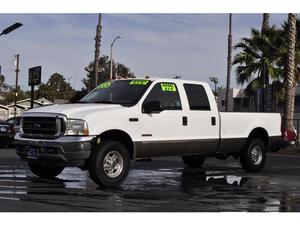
[(266, 22), (95, 81), (229, 63), (265, 26), (289, 84)]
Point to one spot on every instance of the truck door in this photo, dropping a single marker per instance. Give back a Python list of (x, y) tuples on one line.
[(202, 120), (161, 130)]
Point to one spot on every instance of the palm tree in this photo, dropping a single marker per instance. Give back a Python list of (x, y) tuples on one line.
[(289, 81), (257, 60), (282, 60), (266, 22), (215, 81), (284, 49), (229, 63)]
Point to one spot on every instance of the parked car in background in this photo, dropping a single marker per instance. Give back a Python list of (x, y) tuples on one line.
[(15, 121), (7, 134)]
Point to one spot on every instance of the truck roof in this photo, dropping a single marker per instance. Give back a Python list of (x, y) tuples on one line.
[(167, 80)]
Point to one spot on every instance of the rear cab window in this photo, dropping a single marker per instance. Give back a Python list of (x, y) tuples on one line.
[(167, 94), (197, 97)]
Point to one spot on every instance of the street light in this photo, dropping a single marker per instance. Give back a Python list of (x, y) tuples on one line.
[(4, 32), (11, 28), (111, 60)]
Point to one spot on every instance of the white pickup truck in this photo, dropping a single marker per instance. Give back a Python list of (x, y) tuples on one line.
[(124, 120)]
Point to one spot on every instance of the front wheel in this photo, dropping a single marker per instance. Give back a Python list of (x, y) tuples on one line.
[(253, 156), (193, 160), (45, 171), (109, 163)]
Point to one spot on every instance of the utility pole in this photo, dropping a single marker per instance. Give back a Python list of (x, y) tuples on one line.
[(16, 86), (228, 63), (97, 50), (111, 63)]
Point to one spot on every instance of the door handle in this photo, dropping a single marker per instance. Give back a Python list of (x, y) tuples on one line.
[(213, 121), (184, 120)]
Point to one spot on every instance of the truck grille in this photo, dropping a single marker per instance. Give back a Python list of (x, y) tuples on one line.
[(43, 126)]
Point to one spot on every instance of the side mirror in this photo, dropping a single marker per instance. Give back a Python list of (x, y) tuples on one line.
[(152, 107)]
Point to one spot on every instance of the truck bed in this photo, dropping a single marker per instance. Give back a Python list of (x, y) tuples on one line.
[(235, 128)]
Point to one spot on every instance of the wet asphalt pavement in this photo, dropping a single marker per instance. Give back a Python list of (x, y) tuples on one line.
[(164, 184)]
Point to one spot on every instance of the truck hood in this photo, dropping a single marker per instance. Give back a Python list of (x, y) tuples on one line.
[(77, 111)]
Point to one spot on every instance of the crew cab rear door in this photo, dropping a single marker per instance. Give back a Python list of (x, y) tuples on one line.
[(202, 118)]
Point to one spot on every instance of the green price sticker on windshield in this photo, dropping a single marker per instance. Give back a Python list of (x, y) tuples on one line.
[(139, 82), (168, 87), (104, 85)]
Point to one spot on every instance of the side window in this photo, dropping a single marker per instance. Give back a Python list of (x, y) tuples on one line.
[(167, 94), (197, 97)]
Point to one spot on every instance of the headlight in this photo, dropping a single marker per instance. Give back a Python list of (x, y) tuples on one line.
[(77, 127)]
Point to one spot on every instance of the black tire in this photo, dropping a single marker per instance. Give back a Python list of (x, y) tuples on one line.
[(101, 154), (193, 160), (250, 161), (45, 171)]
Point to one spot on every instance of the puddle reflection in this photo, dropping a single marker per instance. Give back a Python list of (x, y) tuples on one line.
[(176, 189), (225, 179)]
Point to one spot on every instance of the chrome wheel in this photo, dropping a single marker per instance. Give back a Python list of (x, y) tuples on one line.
[(256, 155), (113, 164)]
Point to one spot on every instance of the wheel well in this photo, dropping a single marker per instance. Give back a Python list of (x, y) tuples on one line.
[(121, 136), (260, 133)]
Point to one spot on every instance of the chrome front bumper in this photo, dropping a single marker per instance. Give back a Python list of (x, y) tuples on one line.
[(63, 151)]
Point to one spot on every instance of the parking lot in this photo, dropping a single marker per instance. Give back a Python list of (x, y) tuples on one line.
[(164, 184)]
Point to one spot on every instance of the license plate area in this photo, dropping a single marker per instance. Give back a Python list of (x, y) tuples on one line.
[(32, 153)]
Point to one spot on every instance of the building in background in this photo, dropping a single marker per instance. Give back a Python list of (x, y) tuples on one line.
[(237, 101), (4, 112), (25, 104)]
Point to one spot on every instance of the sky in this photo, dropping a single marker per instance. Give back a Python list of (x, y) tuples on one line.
[(193, 46)]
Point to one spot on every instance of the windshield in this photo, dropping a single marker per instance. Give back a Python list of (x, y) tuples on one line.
[(123, 92)]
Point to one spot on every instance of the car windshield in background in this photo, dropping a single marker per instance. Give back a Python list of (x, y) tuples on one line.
[(123, 92)]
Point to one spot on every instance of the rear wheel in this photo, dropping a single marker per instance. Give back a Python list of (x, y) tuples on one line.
[(45, 171), (109, 163), (253, 156), (193, 160)]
